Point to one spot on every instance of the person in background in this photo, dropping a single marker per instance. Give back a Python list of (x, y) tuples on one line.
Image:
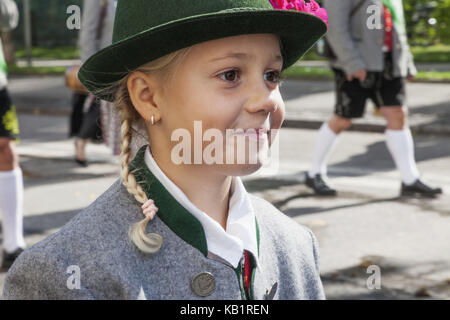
[(86, 120), (11, 179), (370, 63)]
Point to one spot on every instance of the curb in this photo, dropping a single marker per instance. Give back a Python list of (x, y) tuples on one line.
[(45, 111), (438, 130)]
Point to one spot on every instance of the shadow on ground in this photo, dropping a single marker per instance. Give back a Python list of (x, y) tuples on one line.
[(42, 223), (397, 280)]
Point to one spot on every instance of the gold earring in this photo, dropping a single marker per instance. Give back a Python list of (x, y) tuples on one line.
[(153, 120)]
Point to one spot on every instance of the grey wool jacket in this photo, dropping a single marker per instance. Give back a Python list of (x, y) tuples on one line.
[(358, 45), (91, 257)]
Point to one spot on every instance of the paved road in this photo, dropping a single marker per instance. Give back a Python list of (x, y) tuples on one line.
[(409, 240), (308, 103)]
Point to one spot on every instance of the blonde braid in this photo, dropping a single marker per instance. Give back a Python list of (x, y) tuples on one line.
[(165, 67), (148, 243)]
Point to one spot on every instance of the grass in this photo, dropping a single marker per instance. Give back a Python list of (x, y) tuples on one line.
[(298, 72), (59, 53), (436, 53), (434, 76), (312, 55), (15, 70), (439, 53)]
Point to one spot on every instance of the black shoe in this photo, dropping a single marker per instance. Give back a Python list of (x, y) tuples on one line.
[(9, 258), (419, 188), (319, 186), (82, 163)]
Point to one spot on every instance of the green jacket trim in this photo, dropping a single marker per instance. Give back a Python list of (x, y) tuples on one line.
[(170, 211)]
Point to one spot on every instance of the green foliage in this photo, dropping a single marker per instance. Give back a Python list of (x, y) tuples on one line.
[(419, 30), (442, 14), (57, 53), (48, 20), (16, 70), (436, 53)]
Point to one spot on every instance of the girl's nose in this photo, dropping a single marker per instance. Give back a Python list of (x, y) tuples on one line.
[(262, 99)]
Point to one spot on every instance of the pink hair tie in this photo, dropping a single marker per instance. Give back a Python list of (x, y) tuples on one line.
[(302, 6), (149, 209)]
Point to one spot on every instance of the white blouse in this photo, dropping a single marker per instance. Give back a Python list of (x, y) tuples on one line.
[(240, 233)]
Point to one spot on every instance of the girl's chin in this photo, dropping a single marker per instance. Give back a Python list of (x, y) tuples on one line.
[(240, 169)]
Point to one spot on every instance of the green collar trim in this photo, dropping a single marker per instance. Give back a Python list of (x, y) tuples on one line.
[(170, 211), (257, 234)]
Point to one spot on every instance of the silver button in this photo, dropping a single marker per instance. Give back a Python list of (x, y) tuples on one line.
[(270, 295), (203, 284)]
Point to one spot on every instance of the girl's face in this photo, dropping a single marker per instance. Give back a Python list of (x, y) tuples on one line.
[(230, 83)]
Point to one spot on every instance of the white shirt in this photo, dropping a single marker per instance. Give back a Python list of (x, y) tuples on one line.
[(240, 231)]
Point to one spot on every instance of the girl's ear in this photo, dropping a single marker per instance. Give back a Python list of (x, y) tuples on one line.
[(143, 89)]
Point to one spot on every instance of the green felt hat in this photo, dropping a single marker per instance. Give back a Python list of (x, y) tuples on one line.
[(145, 30)]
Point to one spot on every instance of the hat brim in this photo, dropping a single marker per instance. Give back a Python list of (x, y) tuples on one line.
[(298, 32)]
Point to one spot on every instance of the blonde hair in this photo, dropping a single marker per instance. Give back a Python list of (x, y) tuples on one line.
[(165, 68)]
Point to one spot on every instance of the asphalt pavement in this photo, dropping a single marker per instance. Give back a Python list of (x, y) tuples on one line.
[(367, 225)]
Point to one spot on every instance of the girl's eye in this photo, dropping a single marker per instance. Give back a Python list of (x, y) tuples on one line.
[(229, 75), (274, 76), (232, 75)]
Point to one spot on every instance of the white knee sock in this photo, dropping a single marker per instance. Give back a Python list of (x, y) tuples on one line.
[(326, 140), (401, 147), (11, 207)]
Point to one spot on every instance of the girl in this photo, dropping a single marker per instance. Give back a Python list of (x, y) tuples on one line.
[(177, 225)]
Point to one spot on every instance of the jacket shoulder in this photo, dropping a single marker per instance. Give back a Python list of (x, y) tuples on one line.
[(91, 237), (289, 236), (268, 215)]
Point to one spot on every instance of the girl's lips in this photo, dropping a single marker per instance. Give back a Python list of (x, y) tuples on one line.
[(253, 133)]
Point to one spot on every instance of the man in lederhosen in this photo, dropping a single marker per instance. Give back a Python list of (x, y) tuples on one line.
[(369, 62)]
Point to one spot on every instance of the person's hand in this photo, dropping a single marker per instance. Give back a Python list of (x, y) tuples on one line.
[(410, 77), (360, 75)]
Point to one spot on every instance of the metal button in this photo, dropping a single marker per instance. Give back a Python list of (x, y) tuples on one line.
[(203, 284), (270, 295)]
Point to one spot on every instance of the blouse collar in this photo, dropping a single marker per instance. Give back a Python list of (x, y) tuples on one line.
[(185, 219)]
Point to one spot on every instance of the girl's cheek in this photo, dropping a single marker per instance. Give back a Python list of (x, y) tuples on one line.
[(277, 117)]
